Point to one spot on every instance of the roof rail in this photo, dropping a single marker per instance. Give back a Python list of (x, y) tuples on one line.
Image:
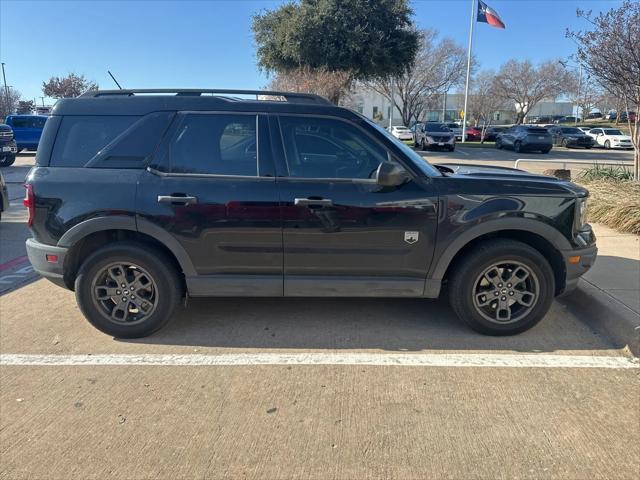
[(288, 96)]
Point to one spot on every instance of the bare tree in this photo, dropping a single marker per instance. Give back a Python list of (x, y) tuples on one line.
[(9, 103), (25, 107), (333, 85), (439, 65), (73, 85), (525, 85), (483, 100), (610, 52)]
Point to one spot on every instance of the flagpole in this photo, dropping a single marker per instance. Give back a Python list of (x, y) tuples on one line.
[(466, 86)]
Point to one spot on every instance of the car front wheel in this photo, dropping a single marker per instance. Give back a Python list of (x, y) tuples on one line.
[(127, 290), (502, 287)]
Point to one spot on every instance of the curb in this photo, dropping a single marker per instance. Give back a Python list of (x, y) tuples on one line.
[(607, 315)]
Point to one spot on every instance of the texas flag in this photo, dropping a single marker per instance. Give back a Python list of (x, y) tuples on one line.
[(486, 14)]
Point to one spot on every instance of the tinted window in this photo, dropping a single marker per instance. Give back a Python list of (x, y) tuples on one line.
[(573, 131), (327, 148), (80, 138), (613, 131), (38, 122), (215, 144), (20, 122), (539, 131), (436, 127)]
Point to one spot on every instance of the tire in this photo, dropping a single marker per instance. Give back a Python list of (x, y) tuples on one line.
[(452, 148), (7, 161), (517, 147), (607, 145), (588, 147), (498, 144), (466, 291), (423, 145), (161, 292), (565, 144), (545, 151)]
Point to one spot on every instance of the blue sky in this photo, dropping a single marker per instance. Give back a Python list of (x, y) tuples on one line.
[(209, 43)]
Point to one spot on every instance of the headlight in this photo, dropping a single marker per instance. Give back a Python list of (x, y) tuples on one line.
[(581, 213)]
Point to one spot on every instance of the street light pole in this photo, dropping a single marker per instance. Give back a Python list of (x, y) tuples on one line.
[(6, 89)]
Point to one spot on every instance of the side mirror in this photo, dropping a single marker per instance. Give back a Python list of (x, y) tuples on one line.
[(390, 174)]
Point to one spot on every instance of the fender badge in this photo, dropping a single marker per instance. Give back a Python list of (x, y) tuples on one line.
[(411, 237)]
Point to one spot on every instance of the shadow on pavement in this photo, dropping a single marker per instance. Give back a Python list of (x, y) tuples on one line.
[(386, 324)]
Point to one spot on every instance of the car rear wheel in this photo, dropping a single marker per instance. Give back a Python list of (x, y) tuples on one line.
[(498, 144), (127, 290), (565, 144), (517, 147), (502, 287), (545, 151)]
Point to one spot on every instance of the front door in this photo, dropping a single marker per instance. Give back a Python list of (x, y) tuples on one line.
[(343, 234), (211, 190)]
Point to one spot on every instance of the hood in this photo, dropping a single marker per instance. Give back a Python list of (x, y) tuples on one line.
[(489, 172)]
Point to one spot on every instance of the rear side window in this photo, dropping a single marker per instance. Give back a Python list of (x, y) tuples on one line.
[(215, 144), (538, 131), (28, 122), (80, 138)]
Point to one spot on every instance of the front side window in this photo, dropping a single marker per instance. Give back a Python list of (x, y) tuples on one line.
[(328, 148), (217, 144)]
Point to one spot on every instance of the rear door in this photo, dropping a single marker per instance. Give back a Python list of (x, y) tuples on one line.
[(343, 234), (212, 188)]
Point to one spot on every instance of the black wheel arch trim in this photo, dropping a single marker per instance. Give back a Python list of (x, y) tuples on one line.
[(93, 225), (553, 236)]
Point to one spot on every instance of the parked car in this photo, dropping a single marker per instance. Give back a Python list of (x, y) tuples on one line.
[(4, 196), (456, 129), (137, 200), (610, 138), (569, 119), (491, 133), (525, 138), (611, 116), (8, 147), (414, 128), (570, 137), (594, 115), (628, 116), (474, 134), (434, 135), (401, 133), (27, 130)]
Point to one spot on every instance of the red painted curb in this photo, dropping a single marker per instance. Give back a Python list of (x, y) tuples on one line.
[(13, 263)]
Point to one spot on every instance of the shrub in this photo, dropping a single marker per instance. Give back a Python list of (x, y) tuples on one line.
[(614, 202)]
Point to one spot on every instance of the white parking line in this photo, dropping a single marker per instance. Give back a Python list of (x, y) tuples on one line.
[(345, 358)]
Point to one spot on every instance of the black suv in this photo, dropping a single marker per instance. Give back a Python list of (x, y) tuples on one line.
[(140, 198), (8, 147)]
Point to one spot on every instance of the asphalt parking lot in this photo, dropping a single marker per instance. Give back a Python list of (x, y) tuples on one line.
[(305, 388)]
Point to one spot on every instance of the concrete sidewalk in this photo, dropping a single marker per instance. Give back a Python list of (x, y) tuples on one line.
[(608, 296)]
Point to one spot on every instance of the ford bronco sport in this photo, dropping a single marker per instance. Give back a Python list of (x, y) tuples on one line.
[(142, 197)]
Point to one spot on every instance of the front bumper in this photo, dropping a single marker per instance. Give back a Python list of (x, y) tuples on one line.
[(8, 148), (586, 257), (54, 271)]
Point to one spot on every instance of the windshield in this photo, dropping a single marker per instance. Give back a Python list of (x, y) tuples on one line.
[(612, 131), (436, 127), (571, 130), (417, 160)]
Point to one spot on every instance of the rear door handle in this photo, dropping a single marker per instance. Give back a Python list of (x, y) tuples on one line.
[(177, 199), (313, 202)]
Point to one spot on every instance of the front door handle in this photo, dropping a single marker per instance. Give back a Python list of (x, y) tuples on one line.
[(176, 199), (313, 202)]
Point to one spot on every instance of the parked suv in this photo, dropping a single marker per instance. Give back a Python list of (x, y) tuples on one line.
[(139, 198), (8, 147), (27, 130), (432, 135), (570, 137), (525, 138)]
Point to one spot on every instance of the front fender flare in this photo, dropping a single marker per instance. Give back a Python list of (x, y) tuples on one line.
[(550, 234)]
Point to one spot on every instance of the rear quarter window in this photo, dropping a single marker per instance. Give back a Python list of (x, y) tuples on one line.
[(80, 138)]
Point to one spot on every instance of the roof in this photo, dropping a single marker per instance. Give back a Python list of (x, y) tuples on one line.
[(144, 101)]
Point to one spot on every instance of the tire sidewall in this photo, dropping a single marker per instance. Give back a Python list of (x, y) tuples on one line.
[(154, 263)]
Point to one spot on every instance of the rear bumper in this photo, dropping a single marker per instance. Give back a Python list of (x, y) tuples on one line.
[(575, 270), (54, 271)]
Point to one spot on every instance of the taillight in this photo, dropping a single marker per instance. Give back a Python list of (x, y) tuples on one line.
[(30, 202)]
